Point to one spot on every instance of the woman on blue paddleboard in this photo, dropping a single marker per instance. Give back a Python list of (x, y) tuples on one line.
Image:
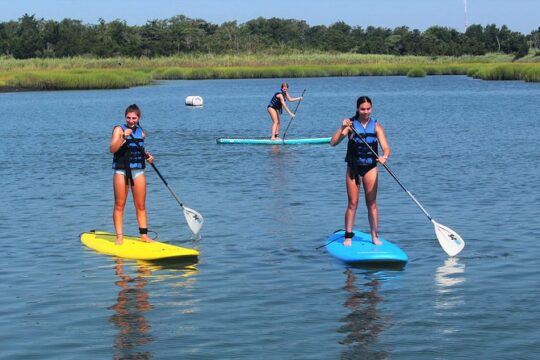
[(362, 164), (129, 156), (276, 106)]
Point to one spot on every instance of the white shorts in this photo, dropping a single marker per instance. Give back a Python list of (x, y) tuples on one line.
[(135, 173)]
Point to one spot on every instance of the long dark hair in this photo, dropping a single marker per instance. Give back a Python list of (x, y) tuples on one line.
[(133, 108), (360, 101)]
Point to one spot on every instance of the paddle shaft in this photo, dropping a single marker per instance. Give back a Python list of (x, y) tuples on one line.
[(394, 176), (167, 185), (295, 110), (141, 149)]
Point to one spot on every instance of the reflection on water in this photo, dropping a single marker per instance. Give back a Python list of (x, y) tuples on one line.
[(171, 269), (276, 149), (132, 303), (447, 278), (363, 324)]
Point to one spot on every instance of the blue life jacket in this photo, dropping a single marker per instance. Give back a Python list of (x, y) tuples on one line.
[(132, 154), (275, 103), (358, 154)]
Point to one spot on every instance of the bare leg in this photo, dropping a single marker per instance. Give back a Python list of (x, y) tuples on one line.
[(120, 196), (139, 200), (274, 115), (370, 181), (353, 189)]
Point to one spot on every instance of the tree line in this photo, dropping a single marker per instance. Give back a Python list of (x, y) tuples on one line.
[(30, 37)]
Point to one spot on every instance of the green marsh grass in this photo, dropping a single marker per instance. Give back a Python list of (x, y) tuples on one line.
[(416, 72), (120, 72)]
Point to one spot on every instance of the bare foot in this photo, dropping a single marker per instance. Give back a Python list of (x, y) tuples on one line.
[(145, 238), (119, 240), (376, 241), (347, 242)]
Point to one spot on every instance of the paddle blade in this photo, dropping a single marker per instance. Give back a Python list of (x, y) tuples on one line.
[(194, 220), (449, 240)]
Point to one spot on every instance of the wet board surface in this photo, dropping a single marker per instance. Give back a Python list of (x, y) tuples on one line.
[(363, 250), (133, 248), (267, 141)]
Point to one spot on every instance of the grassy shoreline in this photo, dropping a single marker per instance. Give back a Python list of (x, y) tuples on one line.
[(114, 73)]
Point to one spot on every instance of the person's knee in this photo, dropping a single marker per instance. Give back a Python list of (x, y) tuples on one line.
[(119, 205), (140, 206), (371, 204), (353, 205)]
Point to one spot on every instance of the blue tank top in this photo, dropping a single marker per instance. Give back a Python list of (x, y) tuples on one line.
[(357, 152), (275, 103), (131, 155)]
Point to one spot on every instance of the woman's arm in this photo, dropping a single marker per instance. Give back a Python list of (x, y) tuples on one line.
[(293, 99), (117, 139), (340, 133), (284, 104), (381, 136)]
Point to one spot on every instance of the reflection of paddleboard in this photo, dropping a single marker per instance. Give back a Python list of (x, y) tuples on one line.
[(363, 250), (273, 142), (133, 247)]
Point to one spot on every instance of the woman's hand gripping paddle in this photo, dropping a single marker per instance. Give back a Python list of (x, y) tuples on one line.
[(295, 110), (449, 240)]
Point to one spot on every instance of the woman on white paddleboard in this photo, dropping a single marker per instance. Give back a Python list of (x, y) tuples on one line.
[(362, 164), (129, 156)]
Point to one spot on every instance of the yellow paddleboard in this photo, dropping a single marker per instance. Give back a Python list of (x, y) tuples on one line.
[(133, 247)]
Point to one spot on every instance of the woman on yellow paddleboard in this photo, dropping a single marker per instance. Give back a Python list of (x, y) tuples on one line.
[(129, 156)]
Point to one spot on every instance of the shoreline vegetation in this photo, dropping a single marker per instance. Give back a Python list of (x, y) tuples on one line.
[(81, 73)]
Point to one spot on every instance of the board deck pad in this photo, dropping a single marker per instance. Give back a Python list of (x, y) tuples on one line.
[(133, 248), (363, 250), (266, 141)]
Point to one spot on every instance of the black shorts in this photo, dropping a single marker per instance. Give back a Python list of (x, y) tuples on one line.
[(360, 170)]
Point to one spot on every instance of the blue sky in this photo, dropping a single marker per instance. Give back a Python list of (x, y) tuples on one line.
[(518, 15)]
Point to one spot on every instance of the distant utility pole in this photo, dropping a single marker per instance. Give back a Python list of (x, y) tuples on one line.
[(465, 8)]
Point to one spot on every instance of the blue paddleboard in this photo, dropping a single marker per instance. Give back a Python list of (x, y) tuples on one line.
[(363, 251), (267, 141)]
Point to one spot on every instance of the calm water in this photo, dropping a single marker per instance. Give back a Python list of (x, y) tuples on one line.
[(468, 150)]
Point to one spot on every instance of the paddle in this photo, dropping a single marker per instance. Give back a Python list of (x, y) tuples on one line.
[(193, 218), (295, 110), (449, 240)]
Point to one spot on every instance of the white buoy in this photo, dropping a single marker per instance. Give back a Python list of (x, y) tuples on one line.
[(194, 101)]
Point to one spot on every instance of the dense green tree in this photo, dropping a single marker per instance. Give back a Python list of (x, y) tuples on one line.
[(154, 39), (29, 41), (534, 39), (338, 37), (375, 40), (8, 36), (64, 38), (313, 36), (31, 37)]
